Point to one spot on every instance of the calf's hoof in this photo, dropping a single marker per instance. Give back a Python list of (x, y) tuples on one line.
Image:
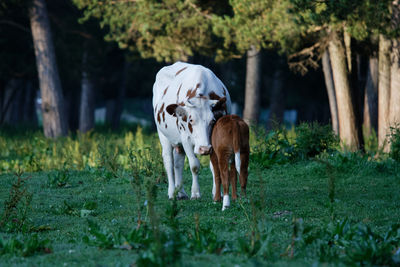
[(226, 203)]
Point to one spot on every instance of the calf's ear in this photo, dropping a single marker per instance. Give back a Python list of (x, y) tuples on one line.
[(176, 110)]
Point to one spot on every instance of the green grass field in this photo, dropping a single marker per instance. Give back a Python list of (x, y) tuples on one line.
[(336, 209)]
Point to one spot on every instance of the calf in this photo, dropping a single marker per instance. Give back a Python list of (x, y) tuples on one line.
[(230, 143)]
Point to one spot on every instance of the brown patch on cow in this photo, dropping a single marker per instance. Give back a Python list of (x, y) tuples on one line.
[(158, 118), (166, 126), (190, 127), (181, 104), (159, 113), (165, 91), (184, 118), (191, 93), (223, 89), (163, 116), (231, 134), (155, 108), (179, 71), (197, 85), (183, 126), (202, 96), (177, 123), (179, 90), (214, 96)]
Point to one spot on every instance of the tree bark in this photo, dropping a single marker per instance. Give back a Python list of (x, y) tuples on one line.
[(346, 112), (394, 107), (252, 90), (54, 123), (277, 98), (383, 92), (86, 114), (330, 89), (370, 121)]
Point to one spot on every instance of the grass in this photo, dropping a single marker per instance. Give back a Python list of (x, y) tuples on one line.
[(364, 194), (287, 205)]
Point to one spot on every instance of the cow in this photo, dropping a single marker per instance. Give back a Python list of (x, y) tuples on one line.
[(230, 143), (186, 100)]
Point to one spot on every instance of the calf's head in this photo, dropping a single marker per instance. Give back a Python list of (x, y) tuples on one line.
[(197, 116)]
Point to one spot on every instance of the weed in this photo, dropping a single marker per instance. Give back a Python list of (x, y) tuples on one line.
[(59, 179), (24, 246), (14, 218), (395, 143)]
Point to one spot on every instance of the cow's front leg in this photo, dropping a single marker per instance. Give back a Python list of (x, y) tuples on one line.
[(179, 161), (168, 163), (194, 168)]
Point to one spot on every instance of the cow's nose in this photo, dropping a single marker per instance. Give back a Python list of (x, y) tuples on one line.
[(204, 150)]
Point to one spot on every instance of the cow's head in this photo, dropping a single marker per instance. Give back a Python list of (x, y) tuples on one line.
[(198, 115)]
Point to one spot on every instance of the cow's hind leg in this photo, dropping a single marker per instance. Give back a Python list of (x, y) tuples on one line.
[(179, 161), (168, 163), (194, 167)]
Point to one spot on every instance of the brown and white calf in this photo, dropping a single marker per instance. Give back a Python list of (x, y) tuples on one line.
[(230, 143)]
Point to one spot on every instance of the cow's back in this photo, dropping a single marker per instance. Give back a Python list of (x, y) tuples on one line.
[(230, 133)]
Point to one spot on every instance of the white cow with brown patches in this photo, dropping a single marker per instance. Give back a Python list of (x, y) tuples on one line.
[(187, 99)]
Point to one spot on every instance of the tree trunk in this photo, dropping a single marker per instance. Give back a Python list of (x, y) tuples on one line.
[(86, 115), (277, 99), (252, 90), (371, 97), (383, 92), (346, 112), (330, 89), (54, 123), (394, 107)]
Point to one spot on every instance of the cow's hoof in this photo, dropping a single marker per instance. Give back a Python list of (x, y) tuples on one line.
[(224, 207), (195, 196), (182, 196)]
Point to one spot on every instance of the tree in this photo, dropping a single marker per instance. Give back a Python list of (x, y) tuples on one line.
[(86, 114), (252, 89), (330, 89), (54, 123)]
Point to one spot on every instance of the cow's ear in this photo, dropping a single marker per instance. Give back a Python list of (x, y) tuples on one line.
[(220, 105), (171, 109), (176, 110)]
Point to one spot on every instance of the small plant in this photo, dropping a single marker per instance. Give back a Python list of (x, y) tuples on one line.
[(395, 143), (60, 179), (14, 218), (24, 246), (313, 139)]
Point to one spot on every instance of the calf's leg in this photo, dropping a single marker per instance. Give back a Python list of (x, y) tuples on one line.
[(244, 172), (216, 191), (224, 172), (233, 180)]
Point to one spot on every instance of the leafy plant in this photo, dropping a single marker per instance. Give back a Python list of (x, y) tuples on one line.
[(313, 139), (59, 179), (14, 218), (395, 143), (24, 246)]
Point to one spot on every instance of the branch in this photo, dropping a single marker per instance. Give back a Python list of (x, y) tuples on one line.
[(197, 9), (16, 25)]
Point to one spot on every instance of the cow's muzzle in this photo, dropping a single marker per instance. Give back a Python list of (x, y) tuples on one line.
[(204, 150)]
